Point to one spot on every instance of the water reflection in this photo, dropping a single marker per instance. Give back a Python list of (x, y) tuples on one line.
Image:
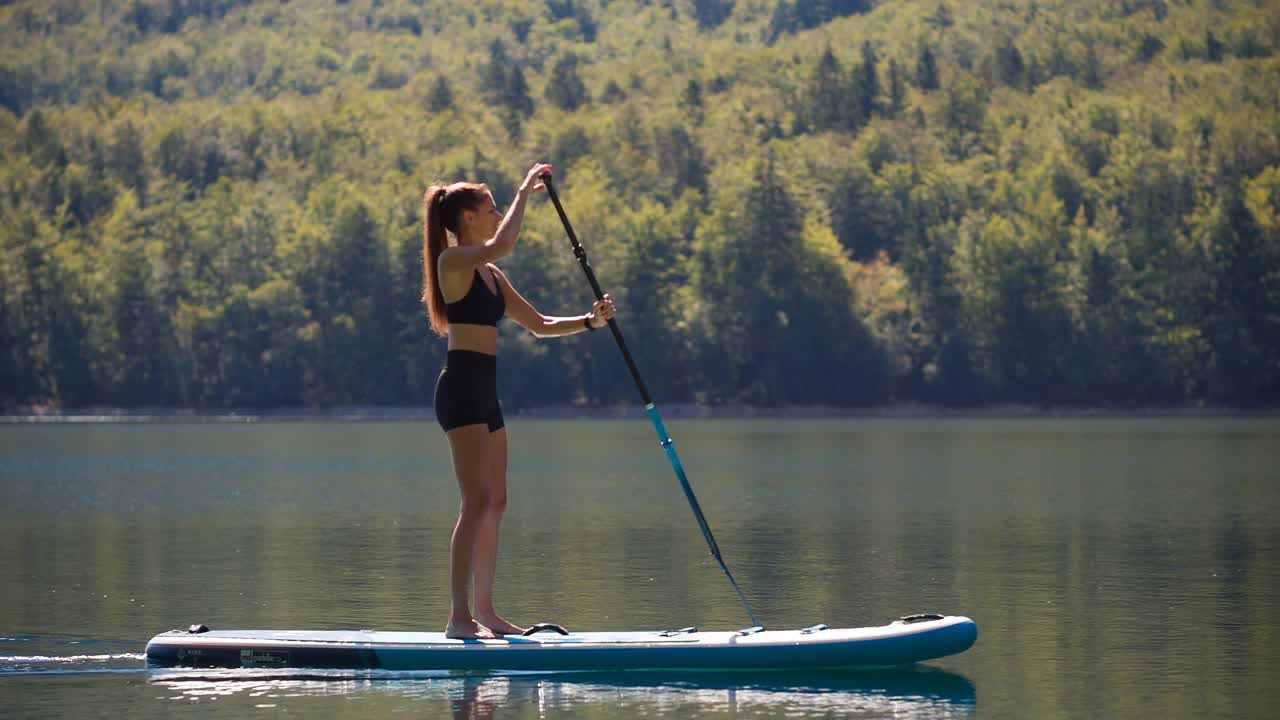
[(1118, 568), (914, 692)]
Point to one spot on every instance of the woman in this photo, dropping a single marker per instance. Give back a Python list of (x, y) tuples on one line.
[(465, 295)]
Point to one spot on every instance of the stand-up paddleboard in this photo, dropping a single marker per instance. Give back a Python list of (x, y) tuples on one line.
[(907, 640)]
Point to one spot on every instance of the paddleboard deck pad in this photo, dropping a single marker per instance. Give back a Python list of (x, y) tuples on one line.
[(906, 640)]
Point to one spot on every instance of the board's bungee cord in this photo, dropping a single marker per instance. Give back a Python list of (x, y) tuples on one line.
[(667, 444)]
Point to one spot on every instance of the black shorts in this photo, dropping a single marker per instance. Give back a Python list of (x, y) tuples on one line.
[(467, 391)]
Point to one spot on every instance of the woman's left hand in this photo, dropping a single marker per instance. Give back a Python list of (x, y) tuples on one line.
[(602, 311)]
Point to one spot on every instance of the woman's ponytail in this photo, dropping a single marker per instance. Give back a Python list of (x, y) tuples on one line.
[(434, 242)]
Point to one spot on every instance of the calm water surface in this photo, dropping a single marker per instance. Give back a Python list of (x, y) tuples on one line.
[(1115, 568)]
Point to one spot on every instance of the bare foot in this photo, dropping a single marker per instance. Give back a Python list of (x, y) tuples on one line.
[(468, 630), (500, 625)]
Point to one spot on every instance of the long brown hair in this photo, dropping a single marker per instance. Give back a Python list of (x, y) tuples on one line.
[(442, 207)]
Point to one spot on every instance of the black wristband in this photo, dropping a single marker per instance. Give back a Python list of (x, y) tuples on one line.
[(587, 321)]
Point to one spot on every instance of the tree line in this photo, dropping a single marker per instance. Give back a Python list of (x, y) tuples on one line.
[(829, 204)]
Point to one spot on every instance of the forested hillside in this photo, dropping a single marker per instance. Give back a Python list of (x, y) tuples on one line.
[(216, 203)]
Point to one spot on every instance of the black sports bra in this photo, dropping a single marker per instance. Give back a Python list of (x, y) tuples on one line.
[(479, 306)]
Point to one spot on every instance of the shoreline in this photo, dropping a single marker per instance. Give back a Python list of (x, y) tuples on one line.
[(674, 411)]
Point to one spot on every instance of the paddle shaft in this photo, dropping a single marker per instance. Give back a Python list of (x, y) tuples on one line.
[(668, 445)]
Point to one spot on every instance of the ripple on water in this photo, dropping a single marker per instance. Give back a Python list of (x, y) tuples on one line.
[(50, 654)]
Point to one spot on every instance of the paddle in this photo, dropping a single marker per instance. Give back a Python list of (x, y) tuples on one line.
[(667, 444)]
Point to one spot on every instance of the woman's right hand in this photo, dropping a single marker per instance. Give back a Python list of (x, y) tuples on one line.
[(533, 181)]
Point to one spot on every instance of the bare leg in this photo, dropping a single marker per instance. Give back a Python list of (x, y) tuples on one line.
[(469, 446), (486, 557)]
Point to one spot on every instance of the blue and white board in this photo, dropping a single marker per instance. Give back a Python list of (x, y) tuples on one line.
[(900, 642)]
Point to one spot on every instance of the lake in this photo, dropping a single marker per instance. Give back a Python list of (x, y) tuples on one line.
[(1119, 567)]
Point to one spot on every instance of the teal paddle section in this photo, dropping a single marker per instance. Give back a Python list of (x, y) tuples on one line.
[(667, 444)]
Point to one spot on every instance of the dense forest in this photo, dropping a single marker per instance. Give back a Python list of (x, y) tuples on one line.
[(217, 204)]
